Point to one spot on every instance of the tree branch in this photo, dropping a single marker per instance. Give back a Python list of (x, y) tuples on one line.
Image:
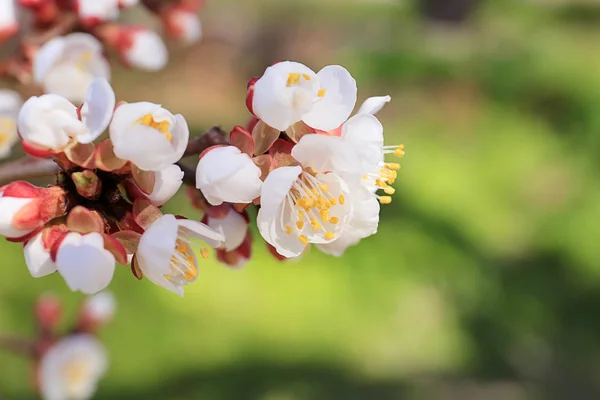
[(26, 168)]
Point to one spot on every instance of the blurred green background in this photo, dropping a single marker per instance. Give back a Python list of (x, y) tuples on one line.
[(484, 279)]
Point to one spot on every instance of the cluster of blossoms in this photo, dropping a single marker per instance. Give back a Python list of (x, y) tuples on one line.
[(63, 46), (316, 173), (67, 365)]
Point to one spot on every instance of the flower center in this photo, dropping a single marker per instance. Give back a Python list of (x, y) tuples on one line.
[(6, 127), (311, 202), (83, 60), (162, 126), (295, 79), (183, 267), (76, 372)]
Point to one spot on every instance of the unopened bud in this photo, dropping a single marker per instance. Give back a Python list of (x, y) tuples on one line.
[(48, 311), (87, 184)]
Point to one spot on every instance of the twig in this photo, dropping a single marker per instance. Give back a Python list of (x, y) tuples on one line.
[(17, 345), (26, 168)]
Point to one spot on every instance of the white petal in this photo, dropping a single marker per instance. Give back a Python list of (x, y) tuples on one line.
[(325, 153), (373, 105), (9, 206), (46, 57), (8, 15), (233, 227), (201, 231), (84, 263), (167, 182), (37, 258), (225, 174), (10, 103), (147, 52), (364, 132), (100, 307), (81, 352), (278, 105), (275, 189), (157, 245), (338, 102), (97, 110), (105, 10)]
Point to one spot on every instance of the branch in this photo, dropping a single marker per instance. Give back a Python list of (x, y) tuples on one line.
[(18, 345), (26, 168)]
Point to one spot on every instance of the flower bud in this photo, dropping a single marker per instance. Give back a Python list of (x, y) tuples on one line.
[(233, 226), (48, 310), (148, 135), (138, 47), (67, 65), (182, 24), (97, 310), (9, 24), (93, 12), (87, 184), (225, 174), (26, 207)]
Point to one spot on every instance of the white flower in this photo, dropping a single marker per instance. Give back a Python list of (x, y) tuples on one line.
[(93, 11), (146, 50), (10, 104), (225, 174), (37, 257), (308, 203), (232, 226), (99, 307), (49, 122), (148, 135), (72, 368), (66, 65), (84, 263), (9, 23), (165, 254), (290, 92), (167, 182), (97, 110)]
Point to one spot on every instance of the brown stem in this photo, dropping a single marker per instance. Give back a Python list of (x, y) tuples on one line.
[(18, 345), (26, 168), (214, 136)]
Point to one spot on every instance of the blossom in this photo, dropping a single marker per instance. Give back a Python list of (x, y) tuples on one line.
[(290, 92), (143, 49), (66, 65), (148, 135), (167, 182), (92, 12), (225, 174), (10, 104), (98, 309), (25, 208), (182, 24), (72, 367), (233, 226), (9, 23), (307, 203), (84, 263), (165, 252), (37, 255)]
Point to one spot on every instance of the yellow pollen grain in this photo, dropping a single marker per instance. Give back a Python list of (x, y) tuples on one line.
[(334, 220), (323, 187), (162, 127), (324, 215), (191, 274), (313, 191), (300, 215), (306, 77), (342, 199), (399, 151), (300, 224), (389, 190), (333, 201), (204, 253), (385, 199), (329, 235), (288, 229), (393, 166), (293, 79), (303, 239), (321, 92)]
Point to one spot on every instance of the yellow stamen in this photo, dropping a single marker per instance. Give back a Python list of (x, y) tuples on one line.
[(329, 235), (389, 190), (393, 166), (306, 77), (288, 229), (341, 199), (191, 274), (162, 126), (204, 253), (334, 220), (303, 239), (293, 79), (300, 224), (385, 199), (321, 92)]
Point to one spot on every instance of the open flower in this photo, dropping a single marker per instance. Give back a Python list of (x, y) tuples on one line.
[(66, 65), (92, 12), (148, 135), (307, 203), (72, 367), (10, 104), (290, 92), (225, 174), (84, 263), (165, 253)]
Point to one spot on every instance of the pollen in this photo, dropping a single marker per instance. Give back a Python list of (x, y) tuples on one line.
[(293, 79), (306, 77), (385, 199), (162, 126), (322, 92), (204, 253), (399, 151), (342, 199), (329, 235), (303, 239), (299, 224), (334, 220), (288, 229)]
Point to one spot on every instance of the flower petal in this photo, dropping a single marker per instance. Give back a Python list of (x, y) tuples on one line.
[(373, 105), (97, 110)]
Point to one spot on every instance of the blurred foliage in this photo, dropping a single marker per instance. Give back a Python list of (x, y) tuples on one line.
[(484, 279)]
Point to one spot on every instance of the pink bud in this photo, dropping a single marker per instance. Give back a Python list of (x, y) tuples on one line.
[(25, 208), (96, 310), (182, 24), (238, 257), (138, 47), (48, 311)]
